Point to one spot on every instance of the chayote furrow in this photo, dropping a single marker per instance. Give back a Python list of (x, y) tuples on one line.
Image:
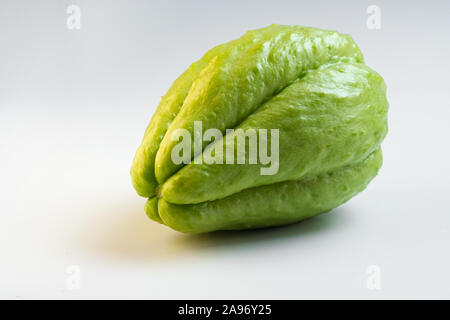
[(271, 205), (332, 117)]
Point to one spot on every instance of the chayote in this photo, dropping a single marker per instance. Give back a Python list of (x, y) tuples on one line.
[(312, 85)]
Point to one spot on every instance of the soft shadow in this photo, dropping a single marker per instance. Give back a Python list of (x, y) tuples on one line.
[(132, 235)]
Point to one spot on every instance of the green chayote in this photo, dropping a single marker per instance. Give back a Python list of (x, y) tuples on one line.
[(311, 85)]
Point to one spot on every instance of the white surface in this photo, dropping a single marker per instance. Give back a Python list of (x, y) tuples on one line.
[(73, 108)]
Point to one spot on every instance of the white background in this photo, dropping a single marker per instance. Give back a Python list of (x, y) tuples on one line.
[(73, 109)]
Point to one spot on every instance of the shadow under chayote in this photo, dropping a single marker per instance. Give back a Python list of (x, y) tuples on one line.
[(131, 235)]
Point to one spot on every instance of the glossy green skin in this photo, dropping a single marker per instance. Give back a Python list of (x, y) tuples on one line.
[(272, 205), (310, 84), (332, 117)]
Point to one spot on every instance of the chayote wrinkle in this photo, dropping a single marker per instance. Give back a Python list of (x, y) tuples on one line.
[(279, 78), (142, 171), (290, 201), (317, 102), (151, 209)]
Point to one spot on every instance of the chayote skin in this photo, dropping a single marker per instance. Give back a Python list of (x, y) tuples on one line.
[(311, 85)]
